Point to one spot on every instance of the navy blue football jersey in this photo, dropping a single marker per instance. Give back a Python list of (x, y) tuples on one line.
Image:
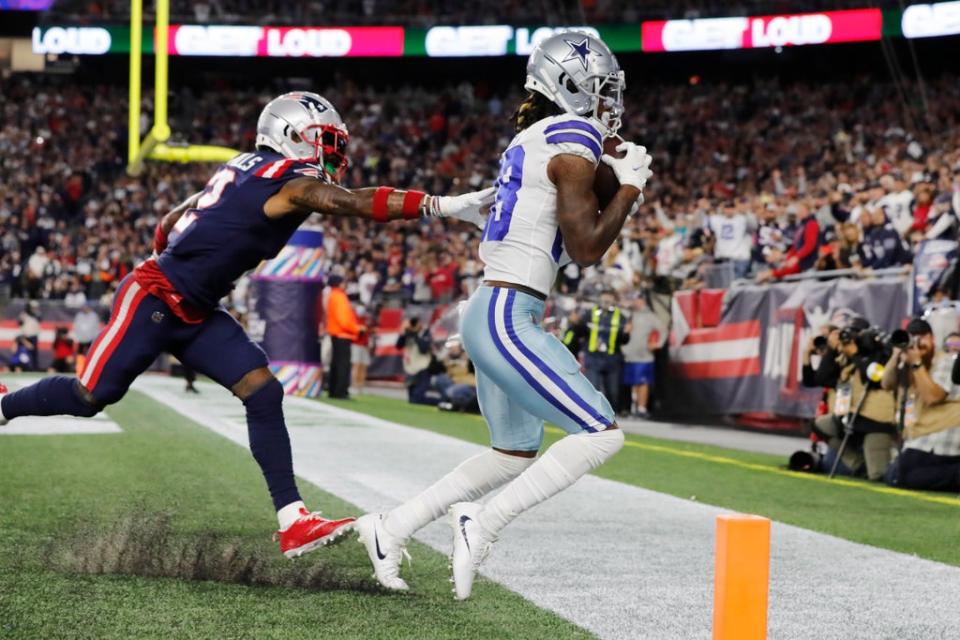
[(227, 234)]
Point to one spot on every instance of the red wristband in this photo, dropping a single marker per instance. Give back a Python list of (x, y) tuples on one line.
[(411, 204), (159, 238), (380, 212)]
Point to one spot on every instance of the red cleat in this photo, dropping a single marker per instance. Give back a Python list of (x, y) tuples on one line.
[(310, 532)]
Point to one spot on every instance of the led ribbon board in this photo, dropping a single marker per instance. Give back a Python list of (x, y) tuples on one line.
[(710, 34)]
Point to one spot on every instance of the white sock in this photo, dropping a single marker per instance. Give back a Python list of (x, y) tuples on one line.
[(562, 465), (473, 478), (289, 514)]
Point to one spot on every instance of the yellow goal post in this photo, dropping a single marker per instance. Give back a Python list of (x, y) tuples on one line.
[(154, 145)]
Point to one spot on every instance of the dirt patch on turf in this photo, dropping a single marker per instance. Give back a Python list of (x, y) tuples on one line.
[(145, 544)]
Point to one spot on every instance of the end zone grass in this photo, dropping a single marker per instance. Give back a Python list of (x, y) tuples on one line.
[(747, 482), (60, 496)]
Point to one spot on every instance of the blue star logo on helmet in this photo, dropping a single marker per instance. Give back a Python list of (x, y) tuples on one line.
[(579, 51)]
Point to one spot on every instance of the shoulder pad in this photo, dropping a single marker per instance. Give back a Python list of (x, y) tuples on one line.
[(573, 134)]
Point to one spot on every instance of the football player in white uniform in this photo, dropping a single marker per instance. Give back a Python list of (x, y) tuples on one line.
[(545, 214)]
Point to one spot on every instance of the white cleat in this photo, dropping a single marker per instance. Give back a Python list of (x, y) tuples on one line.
[(385, 550), (471, 544)]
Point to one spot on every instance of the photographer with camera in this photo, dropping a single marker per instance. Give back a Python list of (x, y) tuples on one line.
[(826, 372), (930, 459), (862, 411)]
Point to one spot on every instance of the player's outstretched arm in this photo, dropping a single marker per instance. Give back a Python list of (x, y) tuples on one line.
[(380, 204), (587, 235)]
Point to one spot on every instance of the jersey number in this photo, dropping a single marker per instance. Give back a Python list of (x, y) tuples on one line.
[(508, 184), (215, 187), (211, 195)]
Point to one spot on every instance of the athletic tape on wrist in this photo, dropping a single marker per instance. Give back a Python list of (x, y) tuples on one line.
[(380, 210), (411, 204)]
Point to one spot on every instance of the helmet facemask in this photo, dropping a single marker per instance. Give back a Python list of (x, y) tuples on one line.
[(608, 92), (328, 144), (304, 126)]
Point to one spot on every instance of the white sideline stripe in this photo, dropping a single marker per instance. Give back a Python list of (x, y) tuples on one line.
[(54, 425), (717, 351), (549, 385), (59, 426), (112, 330), (620, 561)]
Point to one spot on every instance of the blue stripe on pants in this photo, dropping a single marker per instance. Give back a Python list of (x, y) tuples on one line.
[(546, 370)]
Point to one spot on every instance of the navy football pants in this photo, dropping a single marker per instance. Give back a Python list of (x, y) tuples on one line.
[(142, 327)]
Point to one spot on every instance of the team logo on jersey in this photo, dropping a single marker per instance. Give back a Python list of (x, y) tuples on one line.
[(157, 317), (579, 51)]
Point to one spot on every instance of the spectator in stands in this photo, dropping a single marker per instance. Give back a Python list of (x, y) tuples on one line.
[(76, 297), (732, 230), (367, 282), (343, 328), (896, 204), (63, 352), (86, 326), (882, 246), (930, 459), (802, 254), (942, 222), (22, 357), (30, 330), (648, 333), (842, 248), (360, 353), (951, 344)]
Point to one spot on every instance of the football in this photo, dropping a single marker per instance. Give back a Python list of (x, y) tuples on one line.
[(605, 183)]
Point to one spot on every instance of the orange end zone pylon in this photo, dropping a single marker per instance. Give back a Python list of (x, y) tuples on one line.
[(741, 578)]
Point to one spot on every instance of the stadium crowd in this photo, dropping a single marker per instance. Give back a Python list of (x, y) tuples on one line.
[(758, 181), (767, 179)]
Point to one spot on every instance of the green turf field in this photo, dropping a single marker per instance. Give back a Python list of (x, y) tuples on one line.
[(66, 500), (78, 514), (927, 525)]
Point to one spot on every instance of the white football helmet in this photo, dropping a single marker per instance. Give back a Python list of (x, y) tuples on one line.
[(579, 74), (304, 126)]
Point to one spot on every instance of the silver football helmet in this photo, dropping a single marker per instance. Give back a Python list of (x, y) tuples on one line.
[(304, 126), (580, 74)]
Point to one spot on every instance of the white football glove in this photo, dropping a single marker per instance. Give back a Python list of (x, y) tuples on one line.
[(633, 168), (466, 207)]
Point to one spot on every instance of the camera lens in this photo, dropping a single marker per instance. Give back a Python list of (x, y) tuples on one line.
[(820, 342), (900, 339)]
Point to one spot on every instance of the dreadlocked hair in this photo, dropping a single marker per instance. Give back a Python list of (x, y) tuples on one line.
[(536, 107)]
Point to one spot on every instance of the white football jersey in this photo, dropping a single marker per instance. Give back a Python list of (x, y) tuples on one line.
[(521, 242)]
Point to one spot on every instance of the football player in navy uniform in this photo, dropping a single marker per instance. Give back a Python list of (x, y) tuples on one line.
[(170, 303)]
